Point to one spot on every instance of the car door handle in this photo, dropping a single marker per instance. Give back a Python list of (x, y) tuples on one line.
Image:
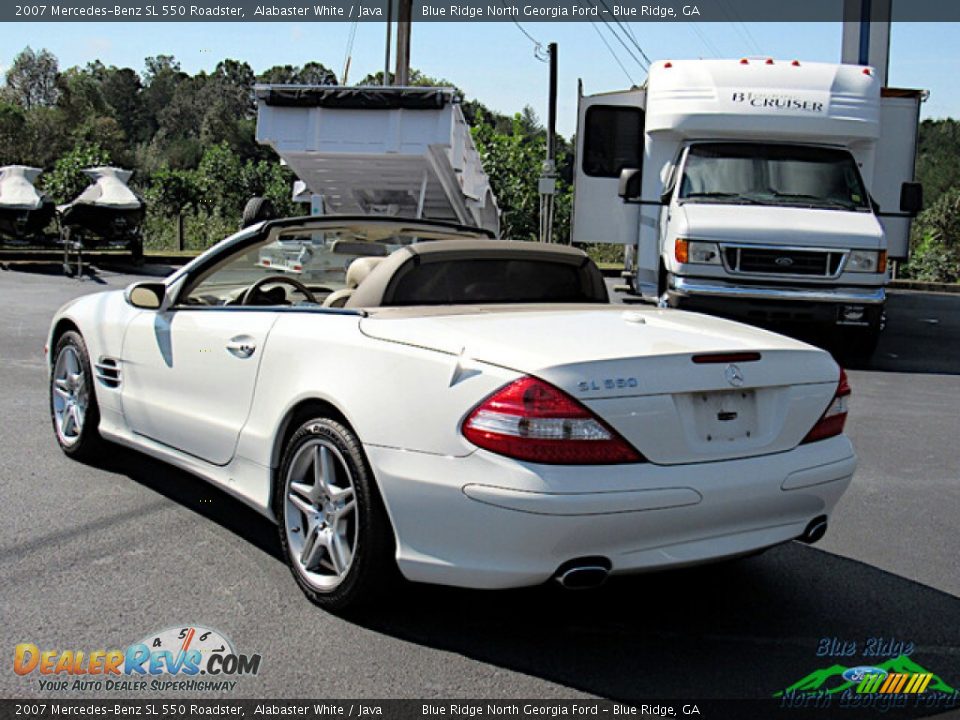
[(241, 346)]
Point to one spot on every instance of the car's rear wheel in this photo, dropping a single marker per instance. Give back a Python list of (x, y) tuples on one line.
[(333, 527), (73, 402)]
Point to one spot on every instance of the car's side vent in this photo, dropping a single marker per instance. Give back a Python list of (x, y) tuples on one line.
[(108, 372)]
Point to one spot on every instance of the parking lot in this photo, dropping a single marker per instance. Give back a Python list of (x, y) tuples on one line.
[(98, 556)]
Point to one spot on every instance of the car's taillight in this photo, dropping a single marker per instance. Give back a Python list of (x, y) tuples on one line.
[(532, 420), (832, 421)]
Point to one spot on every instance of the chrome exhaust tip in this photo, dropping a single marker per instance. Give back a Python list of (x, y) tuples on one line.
[(815, 530), (583, 573)]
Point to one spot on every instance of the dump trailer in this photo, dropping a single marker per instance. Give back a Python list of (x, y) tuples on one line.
[(402, 151), (763, 190)]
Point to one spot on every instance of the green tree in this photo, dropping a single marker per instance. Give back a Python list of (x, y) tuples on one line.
[(312, 73), (32, 79), (514, 163), (173, 193), (315, 73), (13, 138), (122, 90), (936, 234), (160, 81), (221, 180), (938, 151), (67, 180)]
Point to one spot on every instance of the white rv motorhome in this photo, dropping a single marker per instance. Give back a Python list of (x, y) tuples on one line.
[(764, 190)]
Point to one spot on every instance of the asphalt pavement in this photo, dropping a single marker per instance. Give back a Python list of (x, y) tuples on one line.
[(98, 556)]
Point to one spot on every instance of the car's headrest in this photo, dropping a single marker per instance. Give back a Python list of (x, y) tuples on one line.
[(359, 269)]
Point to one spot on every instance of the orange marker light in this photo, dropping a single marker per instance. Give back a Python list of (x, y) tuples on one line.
[(681, 250)]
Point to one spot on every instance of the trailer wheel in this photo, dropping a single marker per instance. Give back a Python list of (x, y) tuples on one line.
[(136, 250), (257, 210)]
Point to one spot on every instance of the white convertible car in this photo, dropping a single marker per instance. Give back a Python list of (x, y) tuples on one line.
[(473, 412)]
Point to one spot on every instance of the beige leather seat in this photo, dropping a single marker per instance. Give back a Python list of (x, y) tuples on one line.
[(356, 273)]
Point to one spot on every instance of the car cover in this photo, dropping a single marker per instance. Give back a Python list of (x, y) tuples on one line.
[(109, 189), (16, 188)]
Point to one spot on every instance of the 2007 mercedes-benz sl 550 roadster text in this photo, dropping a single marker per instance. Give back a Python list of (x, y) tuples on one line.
[(470, 411)]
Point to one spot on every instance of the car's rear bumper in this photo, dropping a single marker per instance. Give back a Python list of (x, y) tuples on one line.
[(488, 522)]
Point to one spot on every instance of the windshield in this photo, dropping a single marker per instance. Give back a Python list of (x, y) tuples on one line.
[(317, 258), (757, 174)]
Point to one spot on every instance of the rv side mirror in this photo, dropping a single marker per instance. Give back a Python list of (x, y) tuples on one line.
[(631, 183), (911, 198), (146, 295)]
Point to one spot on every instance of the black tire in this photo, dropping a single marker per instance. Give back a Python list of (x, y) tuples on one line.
[(136, 250), (87, 443), (856, 346), (257, 210), (373, 569)]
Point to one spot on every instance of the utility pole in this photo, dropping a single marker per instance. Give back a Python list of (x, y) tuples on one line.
[(548, 177), (866, 35), (386, 56), (405, 12)]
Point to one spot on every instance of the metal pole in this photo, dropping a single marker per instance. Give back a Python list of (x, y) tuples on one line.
[(548, 176), (405, 12), (552, 112), (386, 56)]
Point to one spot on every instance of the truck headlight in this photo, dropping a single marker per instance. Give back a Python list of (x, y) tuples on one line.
[(696, 251), (867, 261)]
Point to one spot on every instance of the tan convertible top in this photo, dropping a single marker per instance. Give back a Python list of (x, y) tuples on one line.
[(373, 290)]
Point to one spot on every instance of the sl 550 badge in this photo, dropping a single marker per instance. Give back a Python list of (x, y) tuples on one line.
[(607, 384)]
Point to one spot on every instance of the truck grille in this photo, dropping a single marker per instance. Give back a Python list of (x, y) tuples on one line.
[(772, 261)]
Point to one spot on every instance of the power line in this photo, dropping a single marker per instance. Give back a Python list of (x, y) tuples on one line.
[(703, 38), (620, 39), (738, 23), (627, 33), (538, 52), (617, 59)]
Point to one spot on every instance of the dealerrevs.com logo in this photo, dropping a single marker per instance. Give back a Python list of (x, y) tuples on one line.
[(188, 658)]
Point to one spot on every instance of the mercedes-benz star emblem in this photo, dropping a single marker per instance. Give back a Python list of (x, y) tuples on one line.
[(734, 375)]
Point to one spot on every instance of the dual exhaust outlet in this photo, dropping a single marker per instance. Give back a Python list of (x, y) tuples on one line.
[(583, 573), (591, 572)]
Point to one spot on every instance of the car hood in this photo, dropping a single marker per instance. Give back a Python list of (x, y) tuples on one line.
[(764, 224)]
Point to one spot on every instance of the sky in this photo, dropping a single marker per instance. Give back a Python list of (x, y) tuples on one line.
[(495, 62)]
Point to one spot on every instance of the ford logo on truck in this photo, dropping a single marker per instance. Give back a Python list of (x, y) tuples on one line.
[(784, 261)]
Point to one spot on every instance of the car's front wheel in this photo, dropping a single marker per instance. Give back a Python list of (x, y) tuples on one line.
[(73, 403), (333, 526)]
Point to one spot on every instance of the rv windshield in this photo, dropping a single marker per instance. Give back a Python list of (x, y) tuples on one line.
[(758, 174)]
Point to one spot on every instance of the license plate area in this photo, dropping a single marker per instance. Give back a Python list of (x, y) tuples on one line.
[(852, 315), (725, 416)]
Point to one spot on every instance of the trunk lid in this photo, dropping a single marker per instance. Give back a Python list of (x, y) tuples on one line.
[(634, 368)]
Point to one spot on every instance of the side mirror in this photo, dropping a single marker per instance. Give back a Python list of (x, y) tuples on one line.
[(911, 198), (666, 196), (146, 295), (631, 183)]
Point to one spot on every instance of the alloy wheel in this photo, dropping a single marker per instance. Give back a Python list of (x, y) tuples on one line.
[(320, 514), (70, 396)]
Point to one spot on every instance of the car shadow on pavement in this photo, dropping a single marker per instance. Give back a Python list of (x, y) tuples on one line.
[(194, 494), (742, 629)]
